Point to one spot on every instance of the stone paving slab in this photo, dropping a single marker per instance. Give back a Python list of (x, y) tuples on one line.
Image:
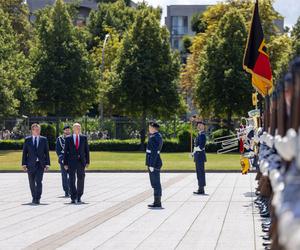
[(115, 214)]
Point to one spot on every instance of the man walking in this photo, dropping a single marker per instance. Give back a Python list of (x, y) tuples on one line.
[(35, 161), (200, 157), (154, 163), (76, 160), (60, 145)]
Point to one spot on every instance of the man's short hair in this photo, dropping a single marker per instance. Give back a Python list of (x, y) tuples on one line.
[(35, 125), (76, 124)]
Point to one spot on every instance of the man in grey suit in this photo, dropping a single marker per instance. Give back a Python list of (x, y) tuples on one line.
[(35, 161)]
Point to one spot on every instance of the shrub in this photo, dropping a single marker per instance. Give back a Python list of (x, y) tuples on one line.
[(170, 145), (184, 139), (11, 144)]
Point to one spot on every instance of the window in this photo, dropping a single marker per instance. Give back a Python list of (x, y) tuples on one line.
[(175, 43), (179, 25)]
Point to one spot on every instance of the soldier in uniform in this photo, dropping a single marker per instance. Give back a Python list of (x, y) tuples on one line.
[(60, 146), (200, 157), (154, 163)]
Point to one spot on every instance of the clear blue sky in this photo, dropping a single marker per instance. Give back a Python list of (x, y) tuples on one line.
[(290, 9)]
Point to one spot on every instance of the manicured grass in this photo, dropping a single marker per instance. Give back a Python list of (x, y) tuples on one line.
[(11, 160)]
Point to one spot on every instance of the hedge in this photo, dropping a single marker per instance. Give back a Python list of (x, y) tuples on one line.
[(116, 145)]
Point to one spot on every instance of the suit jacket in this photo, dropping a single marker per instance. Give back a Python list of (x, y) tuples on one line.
[(73, 156), (200, 142), (31, 154), (154, 147)]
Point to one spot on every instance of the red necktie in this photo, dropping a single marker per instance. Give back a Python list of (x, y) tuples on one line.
[(77, 142)]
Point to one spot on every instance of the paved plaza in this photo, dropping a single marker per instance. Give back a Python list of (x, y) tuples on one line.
[(115, 215)]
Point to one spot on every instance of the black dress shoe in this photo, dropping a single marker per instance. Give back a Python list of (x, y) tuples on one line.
[(266, 237), (265, 215), (37, 201), (156, 203), (73, 202), (199, 191), (33, 201), (266, 230), (79, 200)]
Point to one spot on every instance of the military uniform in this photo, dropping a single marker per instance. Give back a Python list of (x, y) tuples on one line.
[(154, 163), (200, 159), (60, 146)]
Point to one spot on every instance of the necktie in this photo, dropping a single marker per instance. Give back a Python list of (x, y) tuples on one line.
[(77, 142), (35, 143)]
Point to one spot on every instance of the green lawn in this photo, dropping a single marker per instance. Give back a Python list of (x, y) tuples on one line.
[(11, 160)]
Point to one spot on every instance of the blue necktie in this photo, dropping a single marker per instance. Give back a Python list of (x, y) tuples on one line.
[(35, 143)]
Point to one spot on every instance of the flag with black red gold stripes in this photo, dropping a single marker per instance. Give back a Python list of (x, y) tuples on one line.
[(256, 59)]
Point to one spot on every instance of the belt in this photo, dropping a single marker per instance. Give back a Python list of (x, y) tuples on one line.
[(149, 151), (197, 149)]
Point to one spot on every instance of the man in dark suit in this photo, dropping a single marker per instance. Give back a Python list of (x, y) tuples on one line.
[(154, 162), (200, 157), (76, 160), (35, 161)]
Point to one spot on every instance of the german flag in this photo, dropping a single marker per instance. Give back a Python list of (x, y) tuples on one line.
[(256, 60)]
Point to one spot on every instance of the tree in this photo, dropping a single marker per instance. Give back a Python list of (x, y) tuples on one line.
[(16, 94), (112, 50), (128, 2), (199, 25), (295, 34), (187, 43), (211, 17), (223, 87), (144, 83), (280, 48), (18, 14), (114, 15), (65, 77)]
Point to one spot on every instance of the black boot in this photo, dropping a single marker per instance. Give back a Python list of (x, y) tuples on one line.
[(199, 191), (156, 203)]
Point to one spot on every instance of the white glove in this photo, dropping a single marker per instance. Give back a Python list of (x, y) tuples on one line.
[(151, 169), (287, 146)]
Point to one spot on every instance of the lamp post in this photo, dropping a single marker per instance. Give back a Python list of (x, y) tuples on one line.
[(107, 36)]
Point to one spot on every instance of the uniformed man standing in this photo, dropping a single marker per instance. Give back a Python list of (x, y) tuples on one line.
[(154, 163), (200, 157), (60, 146)]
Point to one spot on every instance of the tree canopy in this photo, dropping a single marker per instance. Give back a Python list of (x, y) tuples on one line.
[(16, 94), (223, 87), (145, 79), (65, 77)]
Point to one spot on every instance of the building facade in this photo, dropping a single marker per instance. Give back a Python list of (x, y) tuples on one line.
[(178, 21), (84, 8)]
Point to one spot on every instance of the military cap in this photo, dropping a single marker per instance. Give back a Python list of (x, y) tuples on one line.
[(66, 127), (154, 124)]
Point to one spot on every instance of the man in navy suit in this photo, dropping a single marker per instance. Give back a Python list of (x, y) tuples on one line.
[(200, 157), (35, 161), (76, 160), (154, 162)]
